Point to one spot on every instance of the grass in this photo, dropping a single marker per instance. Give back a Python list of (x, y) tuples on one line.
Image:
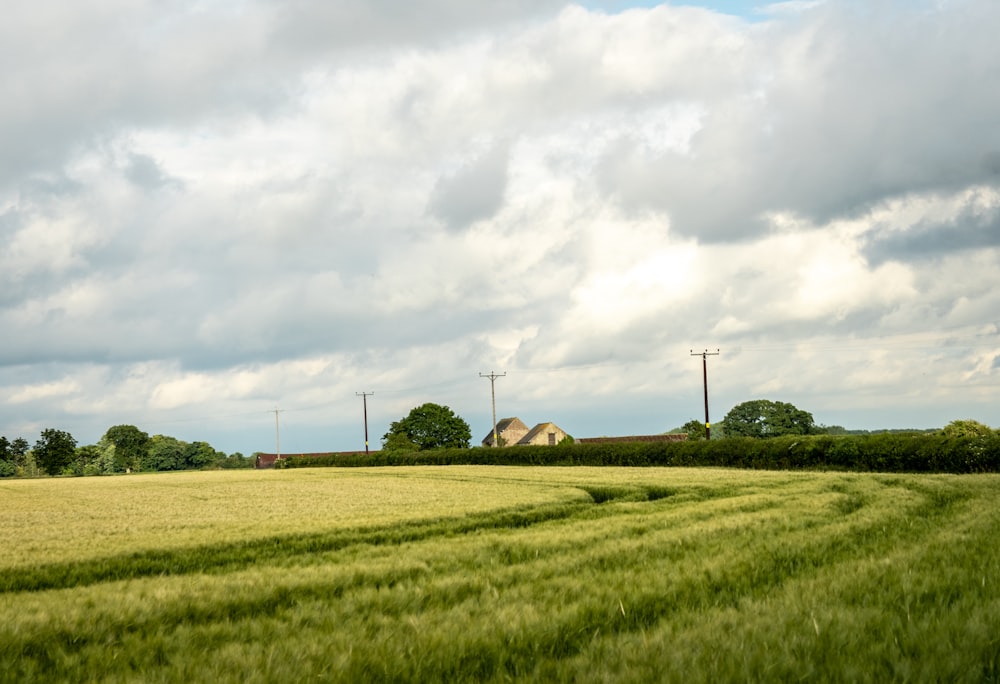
[(499, 574)]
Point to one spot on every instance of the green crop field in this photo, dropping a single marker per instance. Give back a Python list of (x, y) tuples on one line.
[(468, 573)]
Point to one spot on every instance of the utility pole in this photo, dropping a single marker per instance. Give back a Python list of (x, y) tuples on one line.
[(277, 434), (364, 400), (493, 396), (704, 371)]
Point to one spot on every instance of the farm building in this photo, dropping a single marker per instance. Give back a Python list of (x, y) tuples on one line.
[(544, 434), (509, 431), (513, 431)]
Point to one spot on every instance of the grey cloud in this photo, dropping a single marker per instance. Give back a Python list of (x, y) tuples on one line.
[(28, 270), (77, 74), (991, 162), (354, 24), (971, 229), (473, 193), (41, 189), (830, 127), (81, 71), (145, 172)]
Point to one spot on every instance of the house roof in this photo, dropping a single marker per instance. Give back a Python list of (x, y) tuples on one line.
[(504, 424)]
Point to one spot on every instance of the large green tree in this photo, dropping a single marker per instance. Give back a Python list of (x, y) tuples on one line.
[(200, 455), (165, 453), (131, 446), (430, 426), (54, 451), (764, 418)]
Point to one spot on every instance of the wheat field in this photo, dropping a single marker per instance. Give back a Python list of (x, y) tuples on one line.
[(468, 573)]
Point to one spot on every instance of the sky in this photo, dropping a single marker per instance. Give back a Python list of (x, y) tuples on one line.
[(224, 220)]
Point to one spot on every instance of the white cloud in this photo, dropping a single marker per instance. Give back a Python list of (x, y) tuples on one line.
[(48, 390), (323, 199)]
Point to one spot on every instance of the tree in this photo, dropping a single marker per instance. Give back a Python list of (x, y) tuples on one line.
[(830, 430), (55, 450), (19, 451), (397, 443), (763, 418), (429, 426), (13, 453), (106, 461), (234, 460), (695, 430), (165, 453), (199, 455), (87, 460), (7, 467), (131, 445), (966, 428)]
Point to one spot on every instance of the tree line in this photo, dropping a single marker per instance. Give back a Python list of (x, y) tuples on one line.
[(962, 446), (764, 419), (432, 426), (126, 448), (122, 449)]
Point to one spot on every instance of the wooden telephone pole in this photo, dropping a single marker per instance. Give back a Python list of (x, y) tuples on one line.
[(704, 371), (277, 434), (364, 401), (493, 376)]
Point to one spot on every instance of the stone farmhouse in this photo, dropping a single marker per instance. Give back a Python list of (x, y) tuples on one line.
[(513, 431)]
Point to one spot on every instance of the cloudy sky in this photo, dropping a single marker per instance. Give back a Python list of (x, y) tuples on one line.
[(213, 209)]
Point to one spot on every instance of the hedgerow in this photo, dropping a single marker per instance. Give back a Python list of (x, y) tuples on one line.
[(888, 452)]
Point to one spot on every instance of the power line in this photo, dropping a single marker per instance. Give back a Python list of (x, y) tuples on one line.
[(493, 377)]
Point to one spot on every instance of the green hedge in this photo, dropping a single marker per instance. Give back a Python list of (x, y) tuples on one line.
[(889, 452)]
